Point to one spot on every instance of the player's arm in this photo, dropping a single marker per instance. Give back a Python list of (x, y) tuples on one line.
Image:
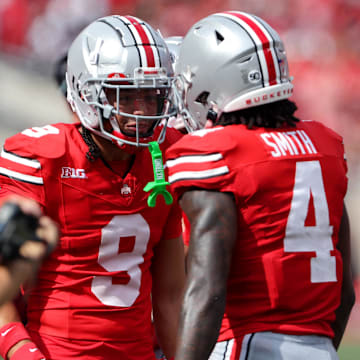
[(21, 255), (347, 290), (213, 225), (15, 342), (168, 271)]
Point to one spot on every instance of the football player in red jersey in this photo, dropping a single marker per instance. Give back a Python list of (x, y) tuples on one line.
[(269, 257), (117, 257)]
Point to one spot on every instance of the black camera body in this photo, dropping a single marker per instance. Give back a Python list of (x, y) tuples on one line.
[(16, 228)]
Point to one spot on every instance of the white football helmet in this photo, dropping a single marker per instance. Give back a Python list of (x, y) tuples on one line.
[(227, 62), (119, 52)]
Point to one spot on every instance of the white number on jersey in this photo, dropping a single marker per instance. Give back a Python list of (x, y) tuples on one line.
[(301, 238), (121, 226), (37, 132)]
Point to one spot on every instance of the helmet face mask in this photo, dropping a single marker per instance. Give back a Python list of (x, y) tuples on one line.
[(119, 69), (227, 62)]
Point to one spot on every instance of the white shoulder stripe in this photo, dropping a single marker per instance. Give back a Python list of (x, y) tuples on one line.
[(22, 177), (20, 160), (198, 175), (194, 159)]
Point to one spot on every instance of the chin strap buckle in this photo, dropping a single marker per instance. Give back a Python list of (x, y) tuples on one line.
[(158, 186)]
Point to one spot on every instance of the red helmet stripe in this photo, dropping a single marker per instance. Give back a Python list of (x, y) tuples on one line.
[(146, 43), (266, 43)]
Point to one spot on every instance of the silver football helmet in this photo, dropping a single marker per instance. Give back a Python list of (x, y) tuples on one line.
[(229, 61), (117, 55)]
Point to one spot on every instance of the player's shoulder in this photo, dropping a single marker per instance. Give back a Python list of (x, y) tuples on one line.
[(172, 136), (218, 139), (48, 141), (321, 130)]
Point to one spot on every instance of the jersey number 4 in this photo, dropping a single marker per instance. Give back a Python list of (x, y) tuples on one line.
[(318, 238)]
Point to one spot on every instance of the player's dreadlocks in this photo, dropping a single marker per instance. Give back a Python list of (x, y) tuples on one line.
[(272, 115), (94, 151)]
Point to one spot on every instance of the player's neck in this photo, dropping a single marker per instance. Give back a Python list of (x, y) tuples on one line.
[(109, 151)]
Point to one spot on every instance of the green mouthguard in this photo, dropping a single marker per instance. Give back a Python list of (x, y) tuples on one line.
[(158, 186)]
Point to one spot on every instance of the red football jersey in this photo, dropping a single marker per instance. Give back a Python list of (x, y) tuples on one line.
[(289, 187), (96, 285)]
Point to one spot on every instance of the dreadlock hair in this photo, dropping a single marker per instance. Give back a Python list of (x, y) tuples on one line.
[(272, 115), (94, 151)]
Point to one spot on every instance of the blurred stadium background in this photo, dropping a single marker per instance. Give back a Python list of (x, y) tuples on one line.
[(321, 39)]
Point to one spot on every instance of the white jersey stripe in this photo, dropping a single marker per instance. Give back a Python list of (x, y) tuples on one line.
[(194, 159), (22, 177), (229, 349), (20, 160), (198, 175), (222, 350)]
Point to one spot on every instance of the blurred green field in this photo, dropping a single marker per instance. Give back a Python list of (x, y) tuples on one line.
[(349, 351)]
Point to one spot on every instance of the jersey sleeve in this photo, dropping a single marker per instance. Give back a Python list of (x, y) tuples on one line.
[(22, 161), (199, 161), (21, 175)]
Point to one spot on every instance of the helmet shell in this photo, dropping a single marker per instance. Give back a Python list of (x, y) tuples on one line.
[(229, 61)]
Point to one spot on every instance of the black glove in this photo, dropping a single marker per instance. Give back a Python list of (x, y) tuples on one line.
[(16, 228)]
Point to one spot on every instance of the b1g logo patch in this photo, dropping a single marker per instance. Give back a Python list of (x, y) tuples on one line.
[(71, 173)]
